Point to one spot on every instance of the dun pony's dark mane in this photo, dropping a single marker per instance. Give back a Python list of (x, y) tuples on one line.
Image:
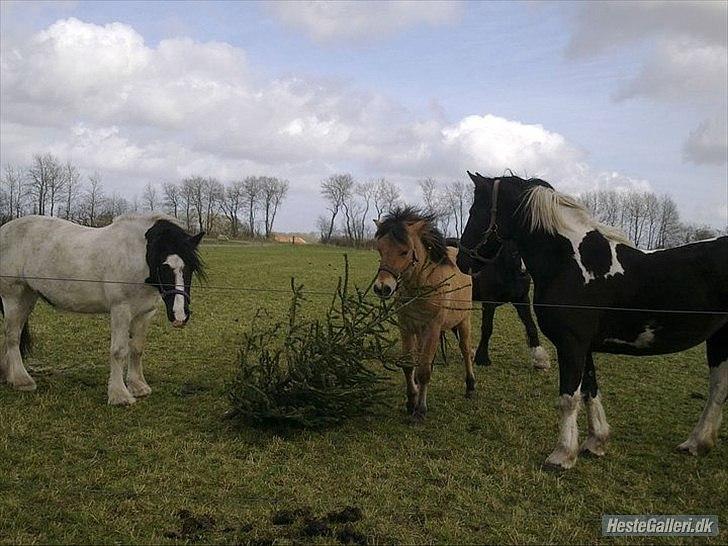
[(395, 223)]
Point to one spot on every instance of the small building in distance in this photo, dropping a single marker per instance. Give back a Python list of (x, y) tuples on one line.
[(290, 239)]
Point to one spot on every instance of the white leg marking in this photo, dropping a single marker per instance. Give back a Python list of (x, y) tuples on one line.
[(598, 427), (705, 434), (540, 358), (118, 394), (566, 451)]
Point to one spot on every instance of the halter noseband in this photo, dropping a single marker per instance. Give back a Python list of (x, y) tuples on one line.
[(174, 292), (398, 275), (492, 230)]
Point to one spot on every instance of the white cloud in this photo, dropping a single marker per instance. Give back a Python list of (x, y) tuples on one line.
[(102, 98), (686, 63), (358, 21), (708, 143)]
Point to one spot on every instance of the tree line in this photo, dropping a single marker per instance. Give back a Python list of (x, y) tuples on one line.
[(245, 207)]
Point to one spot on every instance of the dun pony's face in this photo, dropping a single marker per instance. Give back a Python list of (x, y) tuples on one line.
[(396, 256)]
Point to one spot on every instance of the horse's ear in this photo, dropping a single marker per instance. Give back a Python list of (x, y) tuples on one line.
[(418, 226), (195, 239), (472, 177), (376, 222)]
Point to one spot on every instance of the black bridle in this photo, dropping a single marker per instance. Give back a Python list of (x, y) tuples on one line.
[(173, 292), (490, 233)]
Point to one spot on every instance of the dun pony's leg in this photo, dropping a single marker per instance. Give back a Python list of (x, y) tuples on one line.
[(463, 330), (428, 347), (17, 309), (486, 330), (539, 356), (119, 395), (571, 367), (135, 381), (705, 434), (409, 350), (598, 426)]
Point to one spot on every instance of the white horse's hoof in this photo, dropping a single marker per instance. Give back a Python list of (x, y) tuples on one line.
[(121, 399), (593, 446), (139, 389), (540, 358), (27, 386), (560, 459), (693, 447)]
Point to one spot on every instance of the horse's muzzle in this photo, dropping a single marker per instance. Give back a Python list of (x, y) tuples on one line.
[(382, 290), (179, 323)]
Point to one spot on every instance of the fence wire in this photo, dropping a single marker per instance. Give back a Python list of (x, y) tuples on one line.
[(328, 294)]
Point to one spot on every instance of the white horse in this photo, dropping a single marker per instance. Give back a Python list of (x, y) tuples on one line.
[(121, 269)]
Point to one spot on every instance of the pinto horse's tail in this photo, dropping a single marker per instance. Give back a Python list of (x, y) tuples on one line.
[(25, 339)]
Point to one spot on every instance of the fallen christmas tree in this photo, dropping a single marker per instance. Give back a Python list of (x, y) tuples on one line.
[(311, 373)]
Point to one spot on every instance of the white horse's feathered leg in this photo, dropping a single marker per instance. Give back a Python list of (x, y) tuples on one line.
[(17, 308), (119, 395), (135, 381)]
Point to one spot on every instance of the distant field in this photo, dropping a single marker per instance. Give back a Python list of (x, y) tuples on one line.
[(75, 470)]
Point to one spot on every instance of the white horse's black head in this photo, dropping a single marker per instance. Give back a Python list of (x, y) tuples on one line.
[(173, 258), (493, 217)]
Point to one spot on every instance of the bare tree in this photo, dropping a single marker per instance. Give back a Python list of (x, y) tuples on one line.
[(252, 190), (231, 204), (93, 199), (15, 192), (172, 198), (456, 199), (45, 176), (150, 196), (366, 196), (213, 192), (187, 195), (273, 192), (72, 187), (386, 196), (336, 189)]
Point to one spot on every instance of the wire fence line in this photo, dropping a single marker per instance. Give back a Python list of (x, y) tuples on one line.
[(332, 294)]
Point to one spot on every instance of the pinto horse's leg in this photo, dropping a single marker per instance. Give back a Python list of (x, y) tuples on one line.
[(572, 359), (119, 395), (409, 347), (17, 308), (463, 330), (486, 330), (135, 381), (705, 434), (598, 426), (428, 347), (539, 356)]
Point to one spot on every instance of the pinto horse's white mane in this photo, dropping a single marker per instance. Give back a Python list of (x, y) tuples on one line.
[(548, 210)]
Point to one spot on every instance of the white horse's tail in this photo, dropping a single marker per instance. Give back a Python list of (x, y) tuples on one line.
[(26, 341)]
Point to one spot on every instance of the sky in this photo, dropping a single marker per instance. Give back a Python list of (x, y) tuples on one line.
[(588, 95)]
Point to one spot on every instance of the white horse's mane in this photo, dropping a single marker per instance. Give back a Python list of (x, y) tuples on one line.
[(145, 217), (545, 207)]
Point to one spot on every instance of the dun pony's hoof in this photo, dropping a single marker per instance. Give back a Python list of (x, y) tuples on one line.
[(470, 393)]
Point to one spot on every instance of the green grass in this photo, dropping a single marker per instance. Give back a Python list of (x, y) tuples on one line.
[(74, 470)]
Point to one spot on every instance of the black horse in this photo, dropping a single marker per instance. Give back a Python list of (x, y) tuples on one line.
[(595, 292), (503, 279)]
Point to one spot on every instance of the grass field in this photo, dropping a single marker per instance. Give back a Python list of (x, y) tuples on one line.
[(170, 469)]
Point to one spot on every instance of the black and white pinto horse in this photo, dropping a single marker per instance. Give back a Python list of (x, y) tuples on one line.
[(595, 292), (121, 269), (499, 280)]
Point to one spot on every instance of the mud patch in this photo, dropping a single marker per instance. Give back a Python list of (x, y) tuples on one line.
[(289, 517), (192, 527), (349, 514)]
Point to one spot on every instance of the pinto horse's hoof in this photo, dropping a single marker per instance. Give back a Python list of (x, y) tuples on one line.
[(693, 447), (482, 360)]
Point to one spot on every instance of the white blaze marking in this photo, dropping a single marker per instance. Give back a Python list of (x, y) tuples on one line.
[(642, 341), (177, 264)]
